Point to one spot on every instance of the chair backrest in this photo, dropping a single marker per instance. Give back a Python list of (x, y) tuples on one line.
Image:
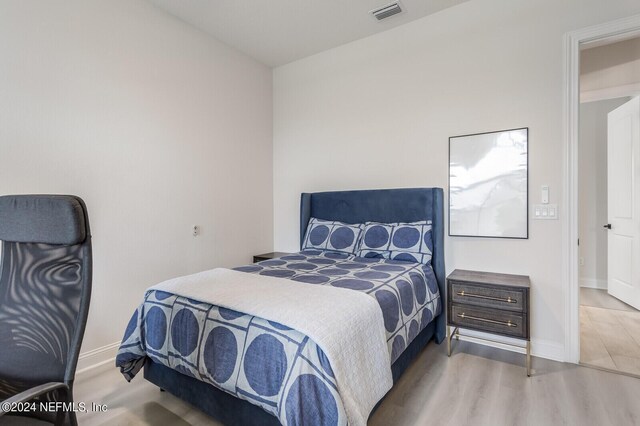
[(45, 285)]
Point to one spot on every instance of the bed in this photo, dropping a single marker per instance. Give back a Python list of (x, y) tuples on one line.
[(239, 402)]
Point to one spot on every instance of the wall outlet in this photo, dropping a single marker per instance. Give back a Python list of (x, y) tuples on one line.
[(582, 261), (195, 230)]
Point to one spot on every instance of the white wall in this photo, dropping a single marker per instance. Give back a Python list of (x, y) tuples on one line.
[(377, 113), (155, 124), (592, 186), (610, 71)]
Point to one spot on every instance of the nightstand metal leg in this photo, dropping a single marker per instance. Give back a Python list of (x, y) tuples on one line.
[(528, 358), (450, 336)]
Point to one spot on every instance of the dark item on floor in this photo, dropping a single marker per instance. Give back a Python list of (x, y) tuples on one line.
[(268, 256)]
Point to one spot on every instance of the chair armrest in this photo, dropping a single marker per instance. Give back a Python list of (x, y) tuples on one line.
[(29, 394)]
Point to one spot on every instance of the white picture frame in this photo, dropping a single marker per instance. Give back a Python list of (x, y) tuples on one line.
[(488, 184)]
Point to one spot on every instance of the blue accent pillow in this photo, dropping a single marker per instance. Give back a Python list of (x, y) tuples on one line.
[(332, 236), (411, 242)]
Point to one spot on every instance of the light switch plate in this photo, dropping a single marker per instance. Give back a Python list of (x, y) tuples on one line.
[(545, 211)]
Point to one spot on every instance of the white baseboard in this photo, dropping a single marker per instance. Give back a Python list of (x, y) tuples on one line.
[(97, 357), (541, 348), (593, 283), (548, 349)]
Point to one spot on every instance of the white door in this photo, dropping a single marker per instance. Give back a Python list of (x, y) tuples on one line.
[(623, 187)]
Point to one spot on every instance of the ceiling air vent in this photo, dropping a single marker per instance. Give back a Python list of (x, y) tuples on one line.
[(386, 11)]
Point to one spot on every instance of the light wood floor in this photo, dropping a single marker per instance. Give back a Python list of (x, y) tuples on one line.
[(476, 386), (609, 333), (598, 298)]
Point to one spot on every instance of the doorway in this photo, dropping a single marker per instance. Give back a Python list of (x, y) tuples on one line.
[(609, 205), (606, 33)]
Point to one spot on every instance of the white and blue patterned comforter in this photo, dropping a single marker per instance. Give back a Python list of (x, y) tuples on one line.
[(266, 363)]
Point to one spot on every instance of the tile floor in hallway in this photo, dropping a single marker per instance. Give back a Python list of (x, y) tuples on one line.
[(609, 333)]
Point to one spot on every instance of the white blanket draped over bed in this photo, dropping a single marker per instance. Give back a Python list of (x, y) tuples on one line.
[(348, 325)]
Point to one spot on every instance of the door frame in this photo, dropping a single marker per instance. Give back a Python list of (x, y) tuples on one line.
[(606, 33)]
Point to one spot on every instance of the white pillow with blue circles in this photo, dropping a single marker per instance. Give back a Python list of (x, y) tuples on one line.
[(411, 242), (332, 236)]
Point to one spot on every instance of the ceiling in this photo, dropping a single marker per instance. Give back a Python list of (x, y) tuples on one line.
[(276, 32)]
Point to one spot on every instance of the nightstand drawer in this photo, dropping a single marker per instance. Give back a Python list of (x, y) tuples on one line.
[(490, 297), (489, 320)]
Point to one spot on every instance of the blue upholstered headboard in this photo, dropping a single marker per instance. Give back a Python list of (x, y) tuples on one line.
[(385, 205)]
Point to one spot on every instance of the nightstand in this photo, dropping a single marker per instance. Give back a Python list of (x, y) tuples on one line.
[(267, 256), (490, 303)]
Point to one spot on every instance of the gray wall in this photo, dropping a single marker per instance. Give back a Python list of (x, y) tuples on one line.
[(156, 125), (610, 71), (378, 112)]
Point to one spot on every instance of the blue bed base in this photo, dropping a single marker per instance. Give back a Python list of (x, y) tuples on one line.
[(384, 205)]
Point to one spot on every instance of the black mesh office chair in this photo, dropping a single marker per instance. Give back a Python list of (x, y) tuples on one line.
[(45, 288)]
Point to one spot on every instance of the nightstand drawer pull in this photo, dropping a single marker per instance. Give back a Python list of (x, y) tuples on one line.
[(480, 296), (507, 323)]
